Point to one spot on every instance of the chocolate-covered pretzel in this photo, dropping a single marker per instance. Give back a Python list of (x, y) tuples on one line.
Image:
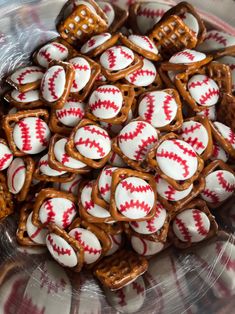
[(6, 202)]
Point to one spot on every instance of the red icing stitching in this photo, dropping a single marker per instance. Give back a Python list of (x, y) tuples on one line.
[(225, 184), (121, 295), (139, 289), (40, 129), (91, 143), (212, 195), (45, 54), (225, 259), (111, 58), (57, 249), (22, 96), (144, 147), (94, 130), (211, 92), (199, 83), (133, 77), (231, 137), (80, 67), (183, 229), (60, 47), (86, 247), (216, 150), (131, 135), (199, 223), (4, 159), (65, 158), (14, 174), (150, 107), (124, 53), (130, 187), (151, 13), (129, 205), (91, 42), (185, 150), (170, 193), (36, 233), (148, 41), (25, 135), (28, 71), (108, 172), (50, 211), (51, 83), (104, 90), (43, 163), (105, 189), (219, 38), (191, 129), (189, 55), (76, 182), (76, 112), (166, 107), (89, 205), (106, 104), (65, 220), (194, 142)]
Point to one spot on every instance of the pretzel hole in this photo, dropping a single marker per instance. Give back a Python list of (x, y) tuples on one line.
[(91, 21), (84, 26), (71, 25), (83, 12), (77, 18), (66, 31), (79, 32)]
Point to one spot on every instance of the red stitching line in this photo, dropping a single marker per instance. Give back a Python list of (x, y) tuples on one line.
[(140, 205), (178, 159), (91, 42), (166, 107), (76, 182), (130, 187), (212, 195), (131, 135), (225, 260), (150, 13), (80, 67), (148, 41), (76, 112), (199, 223), (195, 142), (36, 233), (40, 129), (91, 143), (43, 163), (144, 147), (219, 38), (50, 211), (150, 223), (51, 83), (66, 214), (150, 107), (105, 189), (112, 58), (185, 150), (140, 72), (14, 174), (108, 172), (93, 130), (28, 71), (216, 150), (65, 158), (88, 205), (226, 185), (45, 54), (25, 136), (189, 55), (57, 249), (125, 54), (211, 92), (107, 104), (121, 295), (199, 83), (22, 96), (139, 289), (231, 137), (60, 47), (183, 229), (112, 90), (86, 247), (4, 159), (170, 193), (191, 129)]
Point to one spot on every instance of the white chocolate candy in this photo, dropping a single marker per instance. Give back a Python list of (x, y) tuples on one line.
[(27, 75), (108, 10), (220, 185), (90, 243), (92, 142), (94, 42), (58, 210), (177, 159), (209, 112), (158, 108), (105, 181), (52, 51), (16, 175), (47, 170), (153, 225), (106, 101), (226, 132), (25, 97), (82, 73), (134, 198), (144, 42), (136, 139), (146, 247), (61, 250), (64, 158), (187, 56), (6, 156), (72, 112), (216, 40), (168, 192), (195, 134), (219, 153), (190, 21), (117, 58), (71, 186), (203, 90), (53, 83), (31, 135), (116, 241), (230, 61), (144, 76), (37, 235), (191, 225)]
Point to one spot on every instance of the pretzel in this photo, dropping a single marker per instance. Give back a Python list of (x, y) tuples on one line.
[(178, 185), (42, 196), (55, 164), (81, 24), (200, 205), (220, 73), (171, 35), (226, 111), (128, 95), (48, 80), (112, 229), (73, 152), (121, 174), (23, 105), (77, 247), (120, 18), (176, 123), (118, 270), (6, 203), (9, 121)]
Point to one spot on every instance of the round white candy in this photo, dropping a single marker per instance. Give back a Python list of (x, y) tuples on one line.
[(72, 112), (216, 40), (94, 42), (158, 108), (90, 243), (46, 169), (219, 153), (134, 198), (31, 135), (144, 42), (116, 241), (16, 175), (108, 10), (82, 73), (190, 21), (51, 51), (226, 132), (117, 58), (105, 181), (37, 235), (209, 112), (187, 56), (136, 139), (27, 75), (191, 225), (146, 247), (203, 90), (25, 97), (71, 186), (6, 156), (92, 142)]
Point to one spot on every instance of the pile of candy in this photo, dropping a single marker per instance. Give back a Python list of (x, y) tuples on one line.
[(113, 144)]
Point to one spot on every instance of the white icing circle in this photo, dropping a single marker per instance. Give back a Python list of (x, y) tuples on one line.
[(116, 241), (219, 153), (144, 42), (71, 186), (117, 58), (6, 156), (25, 97), (94, 42), (82, 73), (216, 40), (108, 10), (52, 51), (16, 175), (37, 235), (46, 169), (27, 75), (72, 112), (187, 56), (105, 181), (190, 21)]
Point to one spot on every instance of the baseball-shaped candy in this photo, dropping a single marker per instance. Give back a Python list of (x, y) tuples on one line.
[(90, 243), (168, 192), (94, 42), (108, 10), (27, 75), (209, 112), (195, 134), (187, 56), (146, 247), (219, 153), (128, 299), (6, 156), (72, 112), (82, 73), (106, 101), (16, 174), (152, 225), (58, 210), (226, 132), (177, 159), (47, 170), (25, 97), (117, 58), (116, 241), (37, 235), (144, 42), (191, 225), (105, 181), (216, 40), (136, 139), (203, 90), (230, 61), (190, 21), (220, 185), (88, 204), (116, 161), (71, 186), (64, 158), (158, 108), (31, 135), (51, 51), (92, 142), (144, 76), (53, 83), (134, 198), (61, 250)]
